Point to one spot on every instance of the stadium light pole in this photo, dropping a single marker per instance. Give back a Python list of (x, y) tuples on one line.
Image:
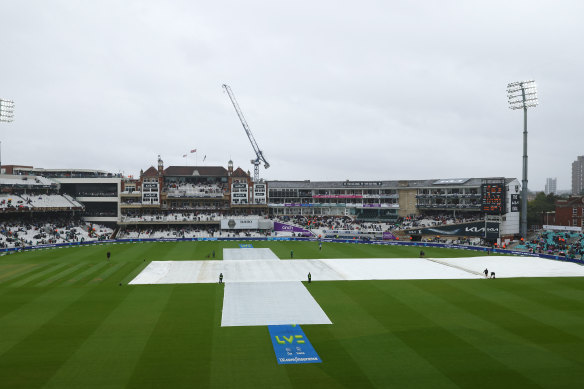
[(523, 95), (6, 115), (6, 110)]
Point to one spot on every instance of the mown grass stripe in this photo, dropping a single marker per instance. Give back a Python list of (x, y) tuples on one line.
[(184, 331), (430, 299), (32, 308), (438, 345), (116, 277), (231, 369), (106, 360), (538, 301), (50, 270), (339, 367), (65, 280), (60, 275), (490, 308), (563, 288), (533, 303), (7, 271), (34, 360), (86, 275), (383, 357), (29, 271), (130, 276), (14, 298), (105, 274), (373, 347), (573, 284)]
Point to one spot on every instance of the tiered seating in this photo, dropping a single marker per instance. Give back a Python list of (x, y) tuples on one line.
[(159, 232), (190, 190), (38, 201), (172, 217), (431, 221), (12, 202), (26, 181), (16, 234), (558, 243), (49, 201)]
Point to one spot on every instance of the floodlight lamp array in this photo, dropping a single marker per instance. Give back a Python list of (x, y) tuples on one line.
[(522, 94), (6, 110)]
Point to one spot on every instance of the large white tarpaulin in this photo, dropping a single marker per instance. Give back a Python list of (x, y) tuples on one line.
[(270, 303), (263, 270)]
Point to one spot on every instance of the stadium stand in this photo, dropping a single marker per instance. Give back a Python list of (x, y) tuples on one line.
[(202, 197), (33, 193), (161, 231), (192, 190), (51, 229), (568, 244)]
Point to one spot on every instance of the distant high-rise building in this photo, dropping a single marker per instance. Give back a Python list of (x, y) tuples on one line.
[(578, 175), (551, 185)]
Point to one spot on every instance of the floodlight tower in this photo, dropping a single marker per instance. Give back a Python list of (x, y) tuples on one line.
[(6, 110), (6, 115), (523, 95)]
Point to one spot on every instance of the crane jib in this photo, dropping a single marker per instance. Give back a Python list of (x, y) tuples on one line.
[(259, 154)]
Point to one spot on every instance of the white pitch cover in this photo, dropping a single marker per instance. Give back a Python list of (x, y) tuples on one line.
[(270, 303)]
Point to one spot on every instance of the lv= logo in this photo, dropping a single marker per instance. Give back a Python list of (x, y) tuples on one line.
[(291, 345), (290, 339)]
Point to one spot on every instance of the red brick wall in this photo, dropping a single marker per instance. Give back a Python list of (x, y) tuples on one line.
[(565, 215)]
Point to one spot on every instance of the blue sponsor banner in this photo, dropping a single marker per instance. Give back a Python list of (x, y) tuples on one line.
[(291, 345), (246, 246)]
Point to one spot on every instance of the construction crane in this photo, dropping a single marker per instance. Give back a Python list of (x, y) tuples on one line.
[(259, 154)]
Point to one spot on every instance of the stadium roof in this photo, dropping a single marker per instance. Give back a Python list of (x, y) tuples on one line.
[(240, 173), (206, 171), (21, 169), (150, 172), (307, 184), (18, 181)]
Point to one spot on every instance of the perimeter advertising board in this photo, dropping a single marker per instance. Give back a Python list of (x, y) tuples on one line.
[(548, 227), (288, 228), (474, 229), (239, 224)]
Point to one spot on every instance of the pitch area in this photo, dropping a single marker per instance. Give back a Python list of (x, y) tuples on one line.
[(65, 321)]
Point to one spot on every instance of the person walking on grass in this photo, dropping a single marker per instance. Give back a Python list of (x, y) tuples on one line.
[(108, 255), (291, 254)]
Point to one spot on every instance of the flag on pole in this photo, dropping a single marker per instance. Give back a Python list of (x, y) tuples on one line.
[(193, 151), (204, 158)]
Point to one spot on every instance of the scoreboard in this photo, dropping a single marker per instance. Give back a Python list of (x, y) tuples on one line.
[(493, 198)]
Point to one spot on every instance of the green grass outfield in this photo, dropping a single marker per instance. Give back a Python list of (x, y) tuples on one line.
[(66, 323)]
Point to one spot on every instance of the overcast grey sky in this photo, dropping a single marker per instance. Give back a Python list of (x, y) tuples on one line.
[(332, 90)]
